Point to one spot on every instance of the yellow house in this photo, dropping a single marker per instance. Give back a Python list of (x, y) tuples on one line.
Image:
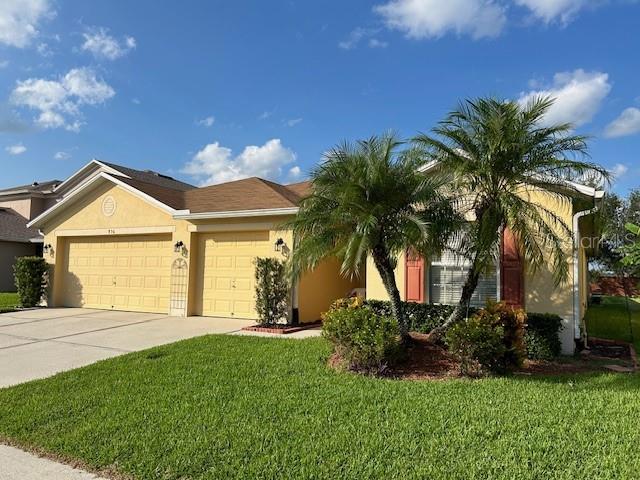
[(440, 280), (135, 240), (131, 240)]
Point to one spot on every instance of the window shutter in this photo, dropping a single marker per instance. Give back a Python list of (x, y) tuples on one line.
[(414, 277), (511, 271)]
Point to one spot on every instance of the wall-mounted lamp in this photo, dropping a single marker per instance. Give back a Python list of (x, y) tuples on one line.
[(48, 248), (277, 247), (178, 246)]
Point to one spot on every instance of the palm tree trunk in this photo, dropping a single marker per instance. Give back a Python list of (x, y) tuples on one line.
[(383, 265), (462, 308)]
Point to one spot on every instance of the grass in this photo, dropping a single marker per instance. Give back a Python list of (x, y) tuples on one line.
[(611, 320), (244, 407), (8, 301)]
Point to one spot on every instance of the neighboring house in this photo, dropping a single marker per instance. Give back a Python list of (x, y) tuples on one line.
[(18, 205), (130, 240), (124, 239), (440, 280)]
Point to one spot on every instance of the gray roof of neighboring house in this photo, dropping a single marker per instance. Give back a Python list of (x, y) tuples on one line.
[(13, 227), (149, 176), (35, 187)]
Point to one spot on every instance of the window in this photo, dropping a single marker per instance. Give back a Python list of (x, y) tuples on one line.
[(447, 275)]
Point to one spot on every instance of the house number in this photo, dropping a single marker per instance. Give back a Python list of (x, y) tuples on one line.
[(111, 231)]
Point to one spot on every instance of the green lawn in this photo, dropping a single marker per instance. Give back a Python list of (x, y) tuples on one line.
[(8, 300), (611, 319), (252, 408)]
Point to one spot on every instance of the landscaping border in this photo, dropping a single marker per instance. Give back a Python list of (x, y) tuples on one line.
[(285, 329), (632, 350)]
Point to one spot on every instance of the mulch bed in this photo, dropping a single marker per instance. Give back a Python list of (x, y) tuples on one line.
[(282, 329), (426, 360)]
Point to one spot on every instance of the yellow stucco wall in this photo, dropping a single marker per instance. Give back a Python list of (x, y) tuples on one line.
[(318, 289), (375, 288)]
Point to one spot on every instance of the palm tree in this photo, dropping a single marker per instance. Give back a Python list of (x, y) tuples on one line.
[(496, 150), (369, 198)]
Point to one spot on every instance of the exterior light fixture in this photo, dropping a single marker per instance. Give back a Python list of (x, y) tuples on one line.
[(178, 246), (278, 245), (47, 248)]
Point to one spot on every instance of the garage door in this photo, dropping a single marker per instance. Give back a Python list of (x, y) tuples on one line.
[(120, 273), (227, 285)]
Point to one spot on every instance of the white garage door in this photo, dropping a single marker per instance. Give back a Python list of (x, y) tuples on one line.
[(120, 273), (227, 284)]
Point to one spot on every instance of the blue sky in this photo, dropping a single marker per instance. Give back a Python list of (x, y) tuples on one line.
[(210, 91)]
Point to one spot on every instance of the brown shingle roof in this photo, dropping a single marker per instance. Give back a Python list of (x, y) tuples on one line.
[(149, 176), (248, 194), (13, 227)]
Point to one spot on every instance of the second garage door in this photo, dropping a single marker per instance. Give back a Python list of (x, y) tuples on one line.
[(120, 273), (227, 284)]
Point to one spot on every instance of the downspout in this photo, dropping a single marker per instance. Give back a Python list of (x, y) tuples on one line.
[(579, 330)]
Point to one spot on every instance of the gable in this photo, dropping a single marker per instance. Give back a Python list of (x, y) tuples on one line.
[(107, 206)]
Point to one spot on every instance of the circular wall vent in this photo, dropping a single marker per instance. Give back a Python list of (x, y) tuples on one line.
[(108, 206)]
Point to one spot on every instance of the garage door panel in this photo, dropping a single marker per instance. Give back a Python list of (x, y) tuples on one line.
[(134, 273), (226, 272)]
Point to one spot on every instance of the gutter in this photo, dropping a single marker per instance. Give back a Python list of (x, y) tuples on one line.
[(579, 330), (263, 212)]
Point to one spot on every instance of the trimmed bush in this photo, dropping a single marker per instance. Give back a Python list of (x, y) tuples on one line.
[(542, 338), (478, 345), (30, 274), (272, 291), (364, 340), (423, 317), (473, 340)]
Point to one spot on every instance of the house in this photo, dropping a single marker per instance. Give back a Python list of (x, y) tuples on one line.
[(18, 205), (135, 240), (440, 280), (131, 240)]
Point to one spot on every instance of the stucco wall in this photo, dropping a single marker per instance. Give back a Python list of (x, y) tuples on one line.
[(21, 206), (8, 253), (318, 289), (375, 288)]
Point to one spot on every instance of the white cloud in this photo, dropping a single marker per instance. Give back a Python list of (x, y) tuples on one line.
[(216, 164), (19, 20), (375, 43), (264, 115), (551, 10), (17, 149), (434, 18), (206, 122), (359, 34), (102, 45), (618, 170), (293, 122), (578, 96), (628, 123), (59, 101), (62, 155), (295, 172)]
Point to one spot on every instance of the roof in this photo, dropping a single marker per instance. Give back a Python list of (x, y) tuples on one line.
[(35, 187), (149, 176), (13, 227), (248, 194)]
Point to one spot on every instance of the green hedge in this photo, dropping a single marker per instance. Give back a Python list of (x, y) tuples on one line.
[(423, 317), (30, 275), (543, 336)]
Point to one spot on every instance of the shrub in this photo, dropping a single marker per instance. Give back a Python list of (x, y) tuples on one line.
[(542, 338), (272, 291), (30, 274), (364, 340), (513, 322), (473, 340), (423, 317), (478, 344)]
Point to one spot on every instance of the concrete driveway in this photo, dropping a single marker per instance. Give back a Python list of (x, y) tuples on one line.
[(39, 343)]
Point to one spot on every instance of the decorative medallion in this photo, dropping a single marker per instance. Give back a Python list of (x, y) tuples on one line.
[(108, 206)]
